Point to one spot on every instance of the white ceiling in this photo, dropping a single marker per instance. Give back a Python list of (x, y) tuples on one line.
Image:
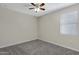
[(23, 7)]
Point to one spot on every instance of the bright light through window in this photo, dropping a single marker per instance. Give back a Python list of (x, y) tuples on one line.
[(68, 23)]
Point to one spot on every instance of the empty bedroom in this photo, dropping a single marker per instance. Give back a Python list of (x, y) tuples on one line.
[(39, 29)]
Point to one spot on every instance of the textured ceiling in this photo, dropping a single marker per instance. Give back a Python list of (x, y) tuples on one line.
[(23, 7)]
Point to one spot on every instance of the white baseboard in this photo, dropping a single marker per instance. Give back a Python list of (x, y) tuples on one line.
[(42, 40), (62, 45), (16, 43)]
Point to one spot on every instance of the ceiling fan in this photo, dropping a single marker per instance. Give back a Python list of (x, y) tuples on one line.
[(37, 7)]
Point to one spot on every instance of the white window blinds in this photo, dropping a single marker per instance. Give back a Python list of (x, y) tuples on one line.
[(69, 23)]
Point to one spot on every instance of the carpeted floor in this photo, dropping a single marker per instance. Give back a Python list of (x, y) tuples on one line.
[(37, 47)]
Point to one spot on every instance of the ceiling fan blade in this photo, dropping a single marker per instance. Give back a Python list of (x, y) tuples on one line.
[(42, 9), (31, 8), (42, 4), (33, 4)]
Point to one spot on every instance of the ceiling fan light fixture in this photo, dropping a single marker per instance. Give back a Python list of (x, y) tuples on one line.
[(37, 9)]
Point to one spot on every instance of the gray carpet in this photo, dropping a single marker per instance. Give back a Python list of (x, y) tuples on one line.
[(37, 47)]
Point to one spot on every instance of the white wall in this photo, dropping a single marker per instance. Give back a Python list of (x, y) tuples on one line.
[(49, 29), (16, 27)]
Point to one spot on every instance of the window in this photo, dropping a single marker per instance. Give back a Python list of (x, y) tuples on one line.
[(69, 23)]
